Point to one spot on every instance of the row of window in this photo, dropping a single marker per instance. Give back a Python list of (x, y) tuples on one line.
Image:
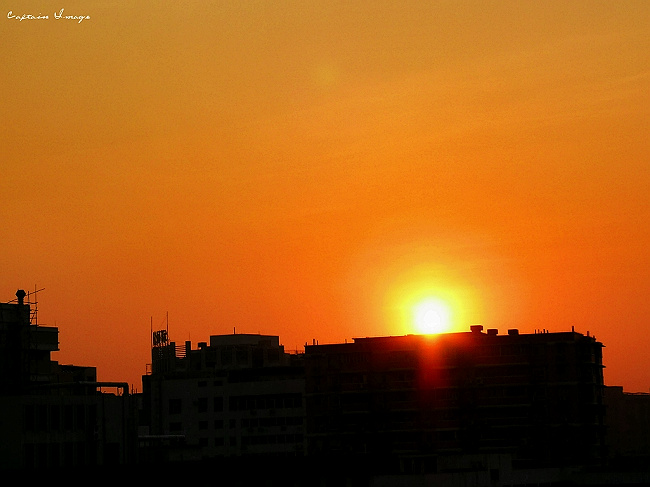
[(38, 455), (218, 424), (238, 355), (272, 439), (241, 403), (267, 401), (271, 422), (246, 441), (54, 417)]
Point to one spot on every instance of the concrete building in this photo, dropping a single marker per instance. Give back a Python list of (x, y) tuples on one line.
[(238, 395), (24, 348), (424, 403), (55, 416), (628, 427)]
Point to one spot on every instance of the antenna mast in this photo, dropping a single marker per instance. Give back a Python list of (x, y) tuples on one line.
[(33, 318)]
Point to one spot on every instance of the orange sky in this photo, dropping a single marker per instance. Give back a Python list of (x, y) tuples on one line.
[(305, 169)]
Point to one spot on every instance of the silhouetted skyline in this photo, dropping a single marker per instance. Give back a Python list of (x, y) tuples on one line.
[(500, 409)]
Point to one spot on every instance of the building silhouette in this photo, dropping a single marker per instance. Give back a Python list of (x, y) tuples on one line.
[(56, 416), (628, 427), (428, 403), (469, 408), (238, 395), (454, 403)]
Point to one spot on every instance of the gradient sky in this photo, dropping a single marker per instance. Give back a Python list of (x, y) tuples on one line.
[(310, 169)]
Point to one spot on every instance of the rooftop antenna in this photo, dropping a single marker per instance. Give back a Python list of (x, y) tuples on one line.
[(33, 319)]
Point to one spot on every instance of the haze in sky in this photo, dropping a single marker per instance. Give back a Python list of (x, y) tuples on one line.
[(315, 169)]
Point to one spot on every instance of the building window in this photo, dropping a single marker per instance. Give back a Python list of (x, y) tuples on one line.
[(29, 420), (242, 357), (218, 403), (175, 406), (68, 417), (55, 418), (226, 356), (203, 404), (81, 417), (41, 418)]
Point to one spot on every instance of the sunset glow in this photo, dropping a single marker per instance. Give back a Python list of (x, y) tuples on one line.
[(431, 316), (317, 170), (429, 300)]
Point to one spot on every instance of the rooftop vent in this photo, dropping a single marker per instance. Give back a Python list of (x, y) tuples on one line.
[(493, 331), (476, 328), (20, 294), (513, 331)]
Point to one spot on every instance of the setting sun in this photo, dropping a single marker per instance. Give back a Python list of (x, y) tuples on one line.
[(431, 315), (327, 170), (428, 298)]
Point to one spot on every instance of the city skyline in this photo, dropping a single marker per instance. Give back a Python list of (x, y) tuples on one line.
[(316, 170), (517, 407)]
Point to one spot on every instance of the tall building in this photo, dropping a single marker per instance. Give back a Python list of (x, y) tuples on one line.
[(238, 395), (24, 348), (55, 416), (414, 402)]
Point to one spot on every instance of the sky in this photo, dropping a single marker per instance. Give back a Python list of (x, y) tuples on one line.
[(314, 169)]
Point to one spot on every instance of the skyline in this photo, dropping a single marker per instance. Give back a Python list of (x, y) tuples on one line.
[(313, 170)]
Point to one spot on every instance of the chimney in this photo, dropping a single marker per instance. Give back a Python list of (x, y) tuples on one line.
[(492, 331), (476, 328), (513, 331), (20, 294)]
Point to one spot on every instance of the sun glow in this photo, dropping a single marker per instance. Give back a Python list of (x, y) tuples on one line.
[(424, 297), (432, 315)]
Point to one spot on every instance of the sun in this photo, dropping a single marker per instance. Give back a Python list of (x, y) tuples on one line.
[(431, 315)]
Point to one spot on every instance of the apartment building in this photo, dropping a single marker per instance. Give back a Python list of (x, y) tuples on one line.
[(55, 416), (410, 402), (236, 395)]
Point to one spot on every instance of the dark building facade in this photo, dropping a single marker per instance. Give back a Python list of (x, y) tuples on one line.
[(24, 348), (628, 427), (408, 402), (239, 395), (56, 416)]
